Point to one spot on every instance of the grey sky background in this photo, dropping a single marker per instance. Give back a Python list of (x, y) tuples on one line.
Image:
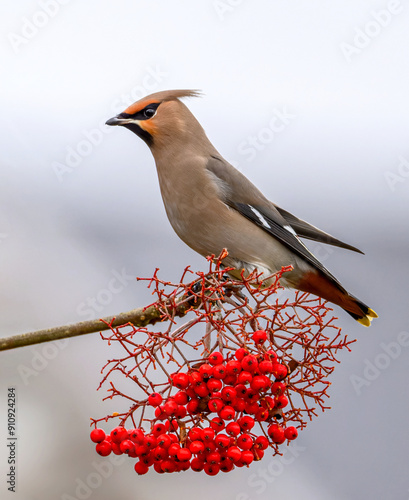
[(81, 205)]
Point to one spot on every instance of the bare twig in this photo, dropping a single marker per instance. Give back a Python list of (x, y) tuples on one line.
[(139, 317)]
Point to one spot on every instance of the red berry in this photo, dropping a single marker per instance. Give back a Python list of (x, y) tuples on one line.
[(210, 447), (245, 441), (261, 443), (197, 464), (215, 404), (184, 454), (213, 458), (181, 412), (216, 358), (180, 380), (239, 405), (181, 398), (155, 399), (258, 453), (168, 465), (195, 434), (219, 371), (196, 379), (244, 377), (163, 441), (116, 449), (246, 422), (202, 390), (227, 413), (278, 388), (196, 447), (241, 389), (173, 450), (234, 453), (127, 446), (233, 367), (251, 408), (227, 466), (147, 460), (212, 469), (174, 438), (279, 371), (249, 363), (247, 457), (281, 401), (97, 435), (158, 429), (214, 385), (118, 434), (261, 414), (222, 441), (265, 366), (158, 467), (230, 380), (159, 453), (259, 383), (151, 441), (142, 450), (252, 396), (217, 424), (240, 353), (141, 468), (104, 448), (190, 392), (159, 413), (276, 433), (233, 429), (271, 355), (290, 433), (206, 370), (259, 337), (208, 434), (229, 394), (170, 408), (192, 406)]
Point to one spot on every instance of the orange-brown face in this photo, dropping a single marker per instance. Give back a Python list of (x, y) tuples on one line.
[(140, 119), (157, 117)]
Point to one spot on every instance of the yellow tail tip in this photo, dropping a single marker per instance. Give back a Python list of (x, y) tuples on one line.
[(366, 320), (372, 313)]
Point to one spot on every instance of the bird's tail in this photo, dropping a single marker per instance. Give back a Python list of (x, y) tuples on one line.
[(365, 314), (331, 290)]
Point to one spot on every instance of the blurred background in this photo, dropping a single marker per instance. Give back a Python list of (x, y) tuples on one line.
[(81, 216)]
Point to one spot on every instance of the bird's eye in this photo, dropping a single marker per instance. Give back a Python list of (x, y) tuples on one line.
[(149, 112)]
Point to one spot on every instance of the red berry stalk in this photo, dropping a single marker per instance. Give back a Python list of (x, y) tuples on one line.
[(241, 375)]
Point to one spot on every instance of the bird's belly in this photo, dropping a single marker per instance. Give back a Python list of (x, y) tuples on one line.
[(209, 229)]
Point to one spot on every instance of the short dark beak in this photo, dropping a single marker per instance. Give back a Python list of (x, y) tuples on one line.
[(117, 120)]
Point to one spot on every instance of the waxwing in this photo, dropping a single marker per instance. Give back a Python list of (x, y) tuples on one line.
[(212, 206)]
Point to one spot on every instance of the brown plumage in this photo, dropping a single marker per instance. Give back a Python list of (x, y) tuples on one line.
[(212, 206)]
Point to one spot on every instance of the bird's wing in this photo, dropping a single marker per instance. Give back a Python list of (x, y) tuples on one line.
[(305, 230), (239, 193)]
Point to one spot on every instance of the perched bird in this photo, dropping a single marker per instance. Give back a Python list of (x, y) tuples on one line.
[(212, 206)]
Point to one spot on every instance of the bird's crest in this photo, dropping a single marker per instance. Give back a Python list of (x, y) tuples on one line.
[(158, 97)]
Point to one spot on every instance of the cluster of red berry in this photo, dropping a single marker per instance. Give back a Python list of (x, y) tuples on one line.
[(242, 390)]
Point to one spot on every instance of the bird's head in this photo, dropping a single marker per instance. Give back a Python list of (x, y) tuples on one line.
[(159, 117)]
